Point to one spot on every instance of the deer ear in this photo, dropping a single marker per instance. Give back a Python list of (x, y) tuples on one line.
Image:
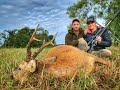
[(51, 59), (32, 65)]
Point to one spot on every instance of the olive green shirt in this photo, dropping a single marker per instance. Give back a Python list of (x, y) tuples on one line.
[(72, 39)]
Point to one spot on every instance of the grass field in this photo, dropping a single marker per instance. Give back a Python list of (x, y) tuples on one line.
[(102, 78)]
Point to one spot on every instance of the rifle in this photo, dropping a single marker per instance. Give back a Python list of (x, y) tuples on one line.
[(93, 42)]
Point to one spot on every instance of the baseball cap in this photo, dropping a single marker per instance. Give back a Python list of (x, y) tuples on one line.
[(75, 20), (91, 19)]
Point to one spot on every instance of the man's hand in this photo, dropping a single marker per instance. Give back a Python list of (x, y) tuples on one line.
[(99, 39)]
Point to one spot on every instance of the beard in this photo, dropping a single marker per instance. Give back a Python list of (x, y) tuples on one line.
[(76, 29)]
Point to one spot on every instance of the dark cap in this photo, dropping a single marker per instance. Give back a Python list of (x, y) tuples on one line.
[(91, 19), (75, 20)]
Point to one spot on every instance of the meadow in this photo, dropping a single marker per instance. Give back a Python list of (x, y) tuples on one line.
[(102, 78)]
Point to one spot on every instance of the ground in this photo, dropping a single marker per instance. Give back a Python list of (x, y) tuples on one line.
[(103, 77)]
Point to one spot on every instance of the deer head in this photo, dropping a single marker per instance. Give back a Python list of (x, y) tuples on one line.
[(29, 64)]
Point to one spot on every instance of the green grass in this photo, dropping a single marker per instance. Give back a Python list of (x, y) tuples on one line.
[(102, 78)]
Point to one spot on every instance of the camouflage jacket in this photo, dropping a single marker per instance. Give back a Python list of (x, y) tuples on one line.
[(72, 39)]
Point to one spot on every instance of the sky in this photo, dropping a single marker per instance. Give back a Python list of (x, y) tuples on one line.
[(50, 14)]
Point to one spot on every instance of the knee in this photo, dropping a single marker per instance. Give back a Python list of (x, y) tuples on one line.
[(106, 53), (110, 53), (82, 45)]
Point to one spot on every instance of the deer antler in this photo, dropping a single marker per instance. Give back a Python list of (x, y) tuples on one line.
[(43, 46), (28, 51)]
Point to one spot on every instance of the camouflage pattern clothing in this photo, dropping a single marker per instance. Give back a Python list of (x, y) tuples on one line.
[(72, 39)]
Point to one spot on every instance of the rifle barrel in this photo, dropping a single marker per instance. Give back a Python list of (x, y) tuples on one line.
[(113, 18)]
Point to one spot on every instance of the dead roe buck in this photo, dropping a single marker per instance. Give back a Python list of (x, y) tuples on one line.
[(60, 61)]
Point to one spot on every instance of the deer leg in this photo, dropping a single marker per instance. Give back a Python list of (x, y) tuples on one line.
[(89, 69), (51, 59), (89, 66)]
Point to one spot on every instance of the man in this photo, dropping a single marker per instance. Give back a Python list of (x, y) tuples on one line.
[(74, 36), (103, 41)]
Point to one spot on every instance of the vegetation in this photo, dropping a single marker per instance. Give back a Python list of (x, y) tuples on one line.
[(19, 38), (103, 78)]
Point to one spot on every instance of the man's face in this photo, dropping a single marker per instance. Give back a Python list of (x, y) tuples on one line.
[(91, 25), (76, 26)]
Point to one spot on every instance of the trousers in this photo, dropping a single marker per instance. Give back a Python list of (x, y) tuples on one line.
[(82, 45)]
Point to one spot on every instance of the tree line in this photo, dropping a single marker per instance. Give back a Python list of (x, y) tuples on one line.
[(18, 38)]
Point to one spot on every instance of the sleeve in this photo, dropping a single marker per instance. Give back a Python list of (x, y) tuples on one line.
[(106, 40), (70, 41)]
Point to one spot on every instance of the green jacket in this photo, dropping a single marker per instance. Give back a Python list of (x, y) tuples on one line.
[(72, 39)]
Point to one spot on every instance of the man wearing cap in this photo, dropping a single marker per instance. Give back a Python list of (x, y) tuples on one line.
[(74, 36), (103, 41)]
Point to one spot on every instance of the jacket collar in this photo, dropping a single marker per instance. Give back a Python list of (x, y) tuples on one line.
[(90, 31)]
